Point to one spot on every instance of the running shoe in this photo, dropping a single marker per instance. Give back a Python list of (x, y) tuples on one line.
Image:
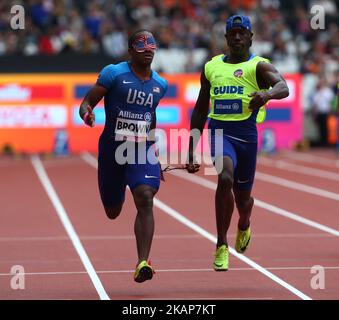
[(243, 240), (221, 258), (143, 272)]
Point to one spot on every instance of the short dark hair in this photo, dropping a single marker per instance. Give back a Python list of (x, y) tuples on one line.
[(134, 35)]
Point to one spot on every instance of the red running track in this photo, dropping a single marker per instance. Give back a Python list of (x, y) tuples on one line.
[(54, 227)]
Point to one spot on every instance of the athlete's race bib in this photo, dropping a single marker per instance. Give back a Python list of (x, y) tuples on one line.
[(228, 106), (131, 128)]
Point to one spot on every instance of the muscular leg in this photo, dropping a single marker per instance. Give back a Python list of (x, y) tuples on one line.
[(144, 221), (244, 203), (224, 200), (111, 182), (113, 211)]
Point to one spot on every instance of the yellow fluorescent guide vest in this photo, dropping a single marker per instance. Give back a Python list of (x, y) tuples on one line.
[(230, 86)]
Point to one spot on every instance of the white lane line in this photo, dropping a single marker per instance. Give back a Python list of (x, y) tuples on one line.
[(296, 186), (209, 298), (45, 181), (295, 217), (283, 165), (90, 159), (313, 159), (212, 185), (181, 218), (99, 238), (57, 273), (190, 224), (165, 237)]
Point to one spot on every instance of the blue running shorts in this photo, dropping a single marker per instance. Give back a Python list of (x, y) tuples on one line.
[(242, 153), (113, 177)]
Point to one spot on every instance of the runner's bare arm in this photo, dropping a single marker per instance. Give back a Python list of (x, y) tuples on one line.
[(93, 96), (198, 119), (268, 77)]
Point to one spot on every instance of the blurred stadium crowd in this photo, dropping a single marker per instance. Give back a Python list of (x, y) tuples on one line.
[(189, 30), (188, 33)]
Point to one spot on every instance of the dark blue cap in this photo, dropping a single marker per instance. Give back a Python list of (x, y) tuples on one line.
[(238, 21)]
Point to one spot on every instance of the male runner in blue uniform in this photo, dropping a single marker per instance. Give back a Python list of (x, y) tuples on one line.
[(239, 85), (131, 91)]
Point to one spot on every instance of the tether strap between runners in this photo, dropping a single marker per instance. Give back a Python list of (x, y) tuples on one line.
[(170, 168)]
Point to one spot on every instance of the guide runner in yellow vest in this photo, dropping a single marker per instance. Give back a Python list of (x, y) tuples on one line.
[(238, 84), (233, 82)]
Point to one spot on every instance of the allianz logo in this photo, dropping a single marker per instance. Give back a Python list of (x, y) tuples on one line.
[(234, 106)]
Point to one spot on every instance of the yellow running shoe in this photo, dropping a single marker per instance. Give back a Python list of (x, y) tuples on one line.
[(243, 240), (221, 258), (143, 272)]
